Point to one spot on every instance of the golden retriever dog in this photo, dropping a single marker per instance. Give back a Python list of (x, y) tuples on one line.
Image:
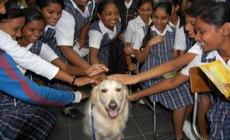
[(106, 112)]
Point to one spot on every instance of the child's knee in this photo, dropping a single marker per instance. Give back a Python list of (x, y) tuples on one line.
[(204, 101)]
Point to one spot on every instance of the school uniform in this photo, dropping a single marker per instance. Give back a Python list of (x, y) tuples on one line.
[(135, 32), (21, 117), (43, 50), (70, 24), (25, 58), (128, 11), (159, 54), (182, 41), (24, 121), (37, 48), (178, 24), (219, 113), (50, 39), (100, 37)]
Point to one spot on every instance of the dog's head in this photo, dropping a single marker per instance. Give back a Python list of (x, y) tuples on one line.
[(110, 96)]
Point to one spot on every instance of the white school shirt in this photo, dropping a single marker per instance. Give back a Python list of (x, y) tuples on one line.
[(95, 37), (167, 28), (177, 26), (128, 4), (197, 61), (46, 52), (138, 42), (196, 48), (25, 58), (65, 30), (65, 26), (136, 26), (180, 41)]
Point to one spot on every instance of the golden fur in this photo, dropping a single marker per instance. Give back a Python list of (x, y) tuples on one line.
[(109, 107)]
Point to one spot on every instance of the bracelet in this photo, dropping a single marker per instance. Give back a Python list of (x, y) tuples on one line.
[(74, 79)]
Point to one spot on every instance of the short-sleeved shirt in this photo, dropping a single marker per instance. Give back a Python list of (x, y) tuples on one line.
[(196, 48), (46, 52), (135, 32), (65, 28), (103, 38), (198, 61), (180, 41), (95, 37)]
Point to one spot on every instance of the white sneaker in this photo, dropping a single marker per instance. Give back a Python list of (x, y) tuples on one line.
[(187, 129), (142, 102)]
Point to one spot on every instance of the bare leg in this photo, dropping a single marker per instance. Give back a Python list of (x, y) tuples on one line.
[(188, 111), (204, 106), (178, 121)]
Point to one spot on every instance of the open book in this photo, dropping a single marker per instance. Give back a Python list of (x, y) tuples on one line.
[(219, 73)]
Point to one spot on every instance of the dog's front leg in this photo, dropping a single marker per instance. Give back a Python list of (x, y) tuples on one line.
[(98, 136), (120, 137)]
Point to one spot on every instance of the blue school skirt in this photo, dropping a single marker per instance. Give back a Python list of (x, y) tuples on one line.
[(19, 120)]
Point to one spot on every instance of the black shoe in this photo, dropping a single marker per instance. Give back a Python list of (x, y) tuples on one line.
[(72, 113)]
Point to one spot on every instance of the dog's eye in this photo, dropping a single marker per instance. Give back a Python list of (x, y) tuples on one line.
[(118, 89), (104, 90)]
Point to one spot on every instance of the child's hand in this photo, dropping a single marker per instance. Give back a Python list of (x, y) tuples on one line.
[(128, 49), (132, 67), (124, 78), (84, 95), (96, 69), (81, 81), (98, 78), (155, 40), (133, 97), (81, 43)]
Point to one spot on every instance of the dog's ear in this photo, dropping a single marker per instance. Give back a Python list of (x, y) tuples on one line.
[(94, 94), (125, 90)]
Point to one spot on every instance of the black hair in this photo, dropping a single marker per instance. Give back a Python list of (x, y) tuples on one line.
[(43, 3), (176, 2), (12, 11), (32, 14), (31, 3), (103, 4), (168, 8), (179, 12), (216, 14), (165, 5), (141, 2), (197, 7)]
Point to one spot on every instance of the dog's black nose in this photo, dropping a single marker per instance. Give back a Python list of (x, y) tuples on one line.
[(113, 105)]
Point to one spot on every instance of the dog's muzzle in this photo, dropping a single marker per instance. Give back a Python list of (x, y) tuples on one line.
[(113, 109)]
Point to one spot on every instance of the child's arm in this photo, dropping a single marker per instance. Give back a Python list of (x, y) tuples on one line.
[(17, 85), (93, 56), (83, 35), (160, 87), (95, 38), (73, 57), (65, 39), (130, 65), (74, 70), (142, 55), (157, 71)]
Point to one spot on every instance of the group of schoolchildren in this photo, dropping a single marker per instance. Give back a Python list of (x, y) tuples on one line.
[(52, 47)]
